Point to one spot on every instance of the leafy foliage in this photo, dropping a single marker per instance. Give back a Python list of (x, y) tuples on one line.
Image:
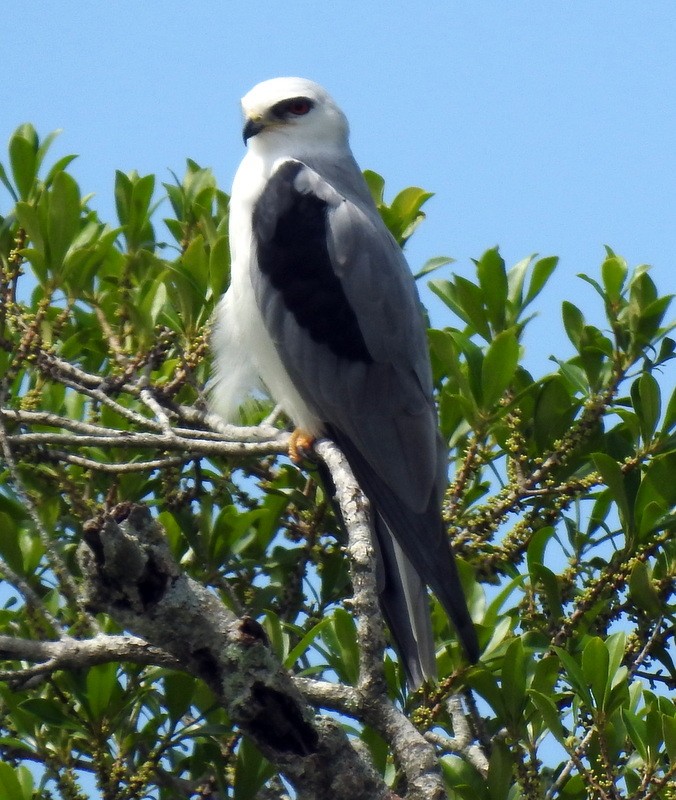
[(560, 509)]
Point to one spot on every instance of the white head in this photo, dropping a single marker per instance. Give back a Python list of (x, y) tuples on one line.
[(292, 116)]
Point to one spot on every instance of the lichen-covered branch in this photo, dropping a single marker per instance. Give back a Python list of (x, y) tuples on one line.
[(132, 576)]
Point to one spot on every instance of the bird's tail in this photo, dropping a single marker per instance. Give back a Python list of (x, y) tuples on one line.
[(422, 539), (405, 605)]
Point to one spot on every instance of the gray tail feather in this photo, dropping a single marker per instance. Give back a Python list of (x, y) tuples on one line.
[(405, 605), (424, 542)]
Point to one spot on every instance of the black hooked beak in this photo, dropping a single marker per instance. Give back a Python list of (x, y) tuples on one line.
[(251, 128)]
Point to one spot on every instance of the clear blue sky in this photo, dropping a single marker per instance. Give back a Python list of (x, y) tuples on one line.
[(541, 126)]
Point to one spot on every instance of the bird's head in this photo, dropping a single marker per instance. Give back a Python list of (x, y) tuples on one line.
[(292, 114)]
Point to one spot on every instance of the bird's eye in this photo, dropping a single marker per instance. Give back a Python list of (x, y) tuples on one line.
[(299, 107), (292, 107)]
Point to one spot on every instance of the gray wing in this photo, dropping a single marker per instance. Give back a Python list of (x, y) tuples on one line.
[(341, 306)]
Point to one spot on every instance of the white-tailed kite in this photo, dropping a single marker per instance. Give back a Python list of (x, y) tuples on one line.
[(322, 308)]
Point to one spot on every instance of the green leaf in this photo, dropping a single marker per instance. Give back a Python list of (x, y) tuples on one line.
[(573, 375), (64, 217), (515, 279), (493, 283), (376, 184), (469, 298), (9, 543), (4, 179), (537, 545), (462, 780), (30, 222), (573, 322), (595, 661), (614, 274), (499, 367), (219, 266), (543, 576), (45, 144), (669, 734), (514, 681), (642, 590), (500, 772), (101, 683), (46, 710), (659, 478), (23, 149), (341, 638), (576, 676), (615, 645), (405, 212), (550, 714), (305, 643), (432, 265), (278, 638), (58, 167), (593, 283), (251, 771), (612, 476), (554, 411), (179, 689), (542, 272), (637, 730), (10, 786), (133, 195), (645, 397)]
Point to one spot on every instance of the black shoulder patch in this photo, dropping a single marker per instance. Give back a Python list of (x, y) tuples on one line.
[(290, 233)]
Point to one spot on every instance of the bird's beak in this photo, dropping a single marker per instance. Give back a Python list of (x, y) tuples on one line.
[(252, 126)]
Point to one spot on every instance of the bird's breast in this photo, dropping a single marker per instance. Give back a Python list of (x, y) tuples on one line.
[(244, 318)]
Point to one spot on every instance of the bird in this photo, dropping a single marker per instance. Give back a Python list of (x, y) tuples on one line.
[(322, 311)]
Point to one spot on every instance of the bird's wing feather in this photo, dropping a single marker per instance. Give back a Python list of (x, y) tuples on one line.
[(340, 305)]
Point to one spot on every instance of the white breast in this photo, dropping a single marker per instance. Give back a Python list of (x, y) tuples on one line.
[(244, 353)]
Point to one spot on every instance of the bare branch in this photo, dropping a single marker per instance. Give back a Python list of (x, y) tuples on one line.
[(218, 430), (354, 508), (68, 653), (116, 467), (152, 441), (334, 696), (463, 740)]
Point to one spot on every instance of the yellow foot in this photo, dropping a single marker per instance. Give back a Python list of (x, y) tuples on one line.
[(300, 444)]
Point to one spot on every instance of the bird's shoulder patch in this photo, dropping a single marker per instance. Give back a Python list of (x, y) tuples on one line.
[(290, 228)]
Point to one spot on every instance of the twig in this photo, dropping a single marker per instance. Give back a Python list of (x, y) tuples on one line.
[(573, 761), (57, 563), (153, 441), (116, 467), (69, 653), (30, 597)]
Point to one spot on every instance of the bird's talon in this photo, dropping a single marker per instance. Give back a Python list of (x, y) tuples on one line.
[(300, 444)]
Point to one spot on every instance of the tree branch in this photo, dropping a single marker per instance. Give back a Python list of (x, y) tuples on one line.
[(132, 576), (68, 653), (415, 755)]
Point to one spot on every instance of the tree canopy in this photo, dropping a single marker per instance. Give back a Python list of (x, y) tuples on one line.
[(182, 612)]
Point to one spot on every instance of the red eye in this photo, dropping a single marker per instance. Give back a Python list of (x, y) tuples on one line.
[(299, 107)]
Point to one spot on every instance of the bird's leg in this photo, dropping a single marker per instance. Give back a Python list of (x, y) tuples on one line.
[(300, 443)]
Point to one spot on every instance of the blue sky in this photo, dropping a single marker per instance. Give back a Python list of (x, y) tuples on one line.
[(541, 127)]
